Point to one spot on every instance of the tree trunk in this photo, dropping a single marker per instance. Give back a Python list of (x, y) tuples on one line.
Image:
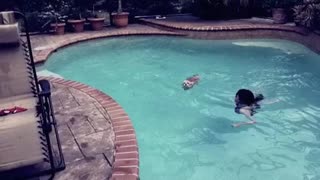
[(119, 6)]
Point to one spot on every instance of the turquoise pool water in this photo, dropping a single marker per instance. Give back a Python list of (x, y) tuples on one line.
[(187, 135)]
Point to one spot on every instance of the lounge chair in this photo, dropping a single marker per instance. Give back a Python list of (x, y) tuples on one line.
[(29, 141)]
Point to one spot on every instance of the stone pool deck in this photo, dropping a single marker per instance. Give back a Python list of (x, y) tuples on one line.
[(97, 137), (86, 134)]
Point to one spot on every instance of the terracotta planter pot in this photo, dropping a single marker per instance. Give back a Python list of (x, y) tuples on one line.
[(120, 19), (77, 25), (279, 16), (96, 23), (58, 28)]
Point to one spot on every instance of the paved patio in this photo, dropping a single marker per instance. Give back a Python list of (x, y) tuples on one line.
[(86, 135), (97, 137)]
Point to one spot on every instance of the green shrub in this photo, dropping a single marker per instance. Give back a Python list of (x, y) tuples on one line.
[(222, 9), (269, 4), (31, 5), (39, 21), (150, 7), (308, 14), (207, 9), (187, 6)]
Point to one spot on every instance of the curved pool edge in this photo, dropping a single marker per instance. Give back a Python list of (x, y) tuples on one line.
[(240, 31), (42, 55), (221, 32), (126, 156), (225, 27)]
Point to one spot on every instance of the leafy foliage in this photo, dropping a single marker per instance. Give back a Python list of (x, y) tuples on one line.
[(31, 5), (223, 9), (38, 11), (41, 14), (279, 3), (148, 7), (308, 14), (78, 9)]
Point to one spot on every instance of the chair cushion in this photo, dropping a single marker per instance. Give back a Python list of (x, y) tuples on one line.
[(7, 17), (20, 143), (14, 76), (9, 34)]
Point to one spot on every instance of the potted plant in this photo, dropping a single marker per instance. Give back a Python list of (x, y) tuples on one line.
[(279, 14), (279, 9), (120, 18), (76, 21), (58, 24), (96, 22), (76, 17)]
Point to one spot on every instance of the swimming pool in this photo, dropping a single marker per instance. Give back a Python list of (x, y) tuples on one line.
[(187, 135)]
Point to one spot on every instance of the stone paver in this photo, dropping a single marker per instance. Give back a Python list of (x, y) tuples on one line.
[(86, 135), (91, 168), (96, 142)]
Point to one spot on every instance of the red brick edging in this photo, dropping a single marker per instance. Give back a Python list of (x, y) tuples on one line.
[(239, 30), (126, 157), (42, 55), (237, 27)]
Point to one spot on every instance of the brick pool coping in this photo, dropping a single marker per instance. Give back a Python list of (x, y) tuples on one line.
[(237, 29), (41, 56), (224, 27), (187, 29), (126, 157)]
